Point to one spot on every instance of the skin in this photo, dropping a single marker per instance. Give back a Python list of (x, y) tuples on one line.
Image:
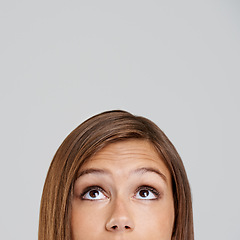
[(133, 198)]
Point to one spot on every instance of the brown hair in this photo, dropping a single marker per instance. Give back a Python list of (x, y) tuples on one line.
[(88, 138)]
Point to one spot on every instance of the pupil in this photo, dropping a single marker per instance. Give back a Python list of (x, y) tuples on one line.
[(144, 193), (93, 193)]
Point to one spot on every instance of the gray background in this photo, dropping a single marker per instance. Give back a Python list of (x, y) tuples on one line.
[(175, 62)]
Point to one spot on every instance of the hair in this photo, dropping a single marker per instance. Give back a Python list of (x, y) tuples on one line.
[(87, 139)]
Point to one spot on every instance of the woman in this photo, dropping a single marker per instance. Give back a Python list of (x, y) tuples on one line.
[(116, 176)]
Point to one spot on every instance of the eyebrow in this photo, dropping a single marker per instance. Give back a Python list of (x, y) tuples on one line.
[(136, 171), (92, 171), (151, 170)]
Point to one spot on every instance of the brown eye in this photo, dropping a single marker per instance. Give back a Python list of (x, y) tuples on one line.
[(146, 193), (93, 193), (143, 193)]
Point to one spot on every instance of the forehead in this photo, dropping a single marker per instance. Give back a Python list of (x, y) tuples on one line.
[(126, 156)]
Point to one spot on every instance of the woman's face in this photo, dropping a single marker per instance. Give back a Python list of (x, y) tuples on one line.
[(123, 193)]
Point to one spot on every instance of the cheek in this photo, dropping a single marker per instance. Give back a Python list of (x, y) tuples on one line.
[(84, 219), (156, 222)]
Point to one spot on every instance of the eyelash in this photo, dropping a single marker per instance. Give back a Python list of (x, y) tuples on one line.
[(91, 188), (97, 188), (151, 189)]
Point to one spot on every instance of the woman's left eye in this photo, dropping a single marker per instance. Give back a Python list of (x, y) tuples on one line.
[(147, 193)]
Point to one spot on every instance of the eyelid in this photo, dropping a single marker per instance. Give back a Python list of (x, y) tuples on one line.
[(87, 189), (149, 188)]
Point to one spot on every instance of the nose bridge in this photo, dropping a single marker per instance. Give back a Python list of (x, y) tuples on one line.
[(120, 218)]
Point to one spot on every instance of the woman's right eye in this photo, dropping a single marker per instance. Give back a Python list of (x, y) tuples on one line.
[(93, 193)]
